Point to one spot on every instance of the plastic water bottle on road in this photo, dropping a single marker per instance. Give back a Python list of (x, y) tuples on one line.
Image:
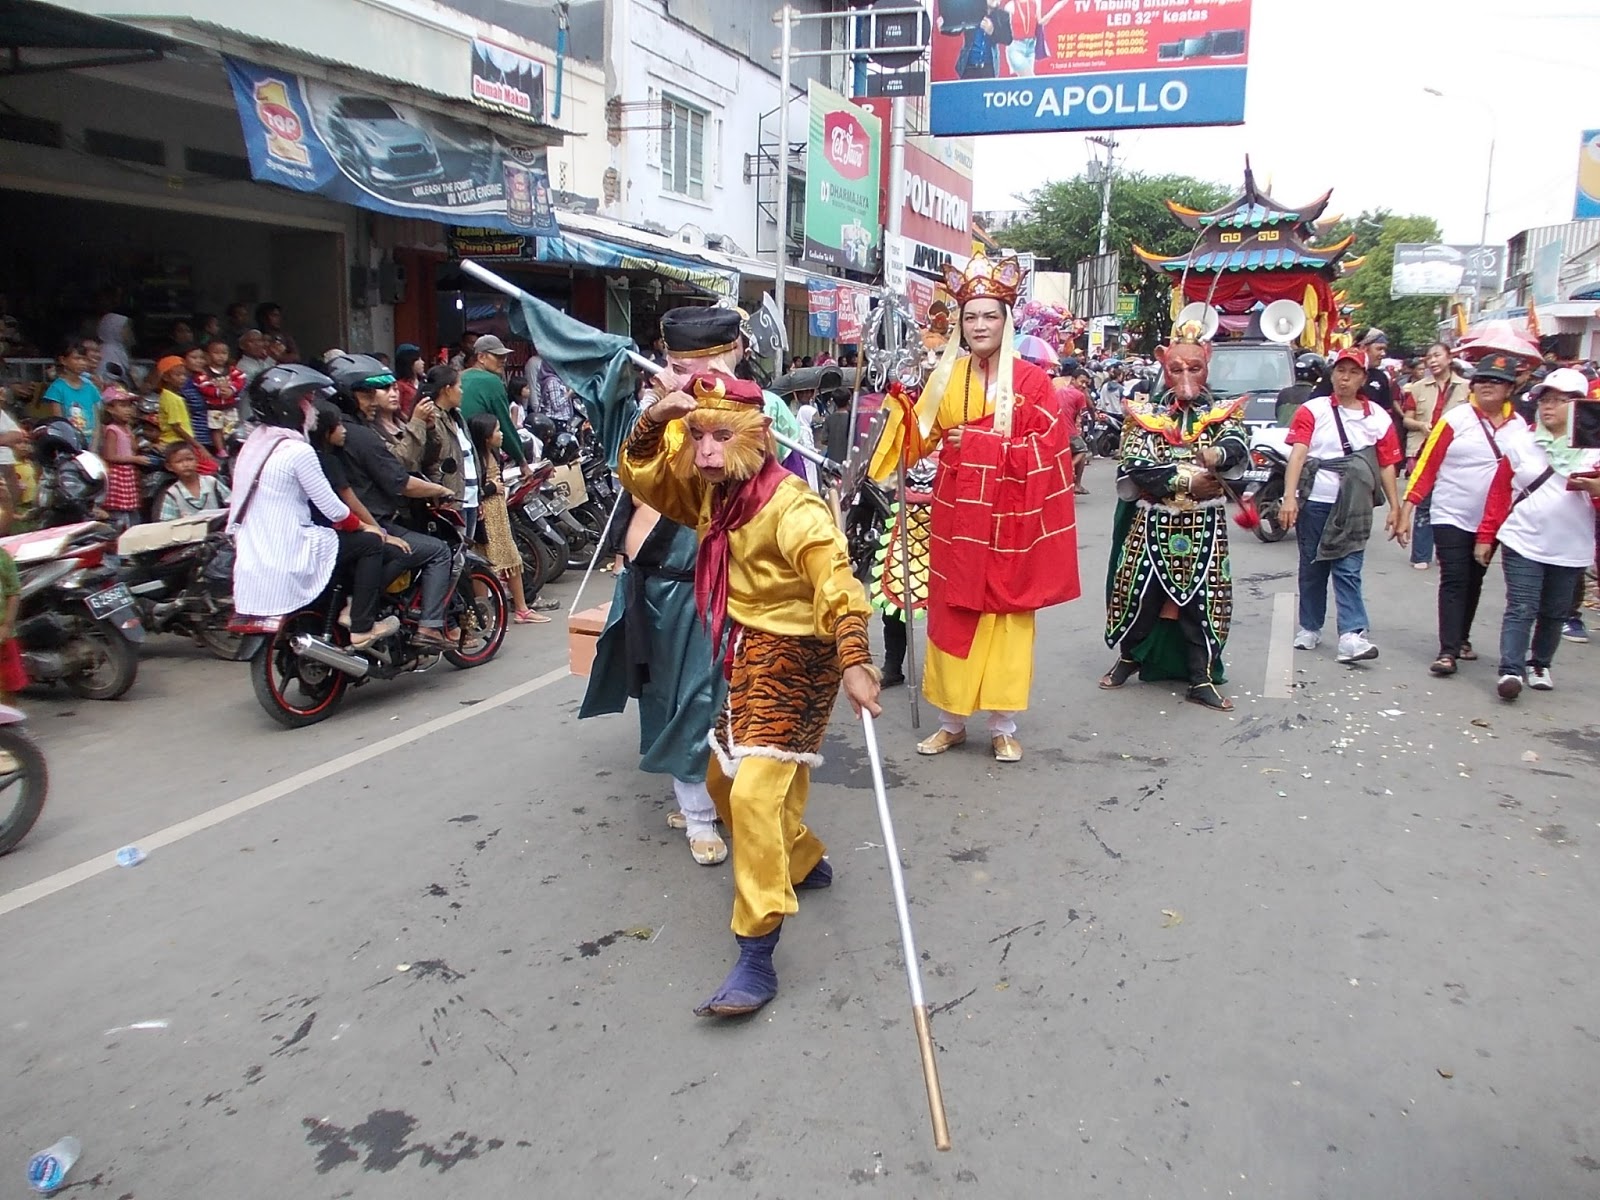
[(47, 1170), (130, 856)]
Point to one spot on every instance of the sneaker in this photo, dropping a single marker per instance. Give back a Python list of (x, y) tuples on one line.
[(379, 631), (1308, 639), (1421, 566), (1509, 687), (1539, 679), (1574, 631), (1354, 647)]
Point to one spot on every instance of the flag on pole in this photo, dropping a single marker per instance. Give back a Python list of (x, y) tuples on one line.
[(593, 364)]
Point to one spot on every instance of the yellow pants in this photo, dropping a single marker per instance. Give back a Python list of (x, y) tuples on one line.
[(764, 804), (996, 674)]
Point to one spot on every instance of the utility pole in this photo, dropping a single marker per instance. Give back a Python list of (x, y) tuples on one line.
[(1109, 142), (780, 265)]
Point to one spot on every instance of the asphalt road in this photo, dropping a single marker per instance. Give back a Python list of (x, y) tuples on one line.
[(1334, 945)]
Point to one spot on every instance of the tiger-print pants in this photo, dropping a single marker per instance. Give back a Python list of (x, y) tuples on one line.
[(780, 697)]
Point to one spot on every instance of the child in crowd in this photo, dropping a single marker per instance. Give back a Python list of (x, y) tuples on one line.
[(72, 394), (173, 418), (220, 386), (191, 492), (494, 523), (119, 448)]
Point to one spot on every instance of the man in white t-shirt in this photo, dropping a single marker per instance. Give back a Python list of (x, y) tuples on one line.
[(1355, 448)]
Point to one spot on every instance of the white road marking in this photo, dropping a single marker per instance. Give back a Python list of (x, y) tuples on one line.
[(61, 880), (1280, 650)]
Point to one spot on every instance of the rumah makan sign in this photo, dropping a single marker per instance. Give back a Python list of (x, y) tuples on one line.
[(1093, 64)]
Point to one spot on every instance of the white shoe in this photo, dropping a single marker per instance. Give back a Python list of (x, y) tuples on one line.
[(1508, 687), (1308, 639), (1539, 679), (1354, 647)]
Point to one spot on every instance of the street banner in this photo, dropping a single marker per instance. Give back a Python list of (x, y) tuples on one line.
[(1094, 64), (853, 306), (842, 181), (823, 304), (1587, 205), (385, 156), (1437, 269), (506, 80)]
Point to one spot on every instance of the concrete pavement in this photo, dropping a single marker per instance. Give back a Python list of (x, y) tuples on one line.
[(1334, 945)]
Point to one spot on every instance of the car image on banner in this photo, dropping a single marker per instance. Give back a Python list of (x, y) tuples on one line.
[(387, 156), (1026, 66)]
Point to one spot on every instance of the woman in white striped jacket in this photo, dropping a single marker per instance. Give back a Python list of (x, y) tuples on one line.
[(284, 557)]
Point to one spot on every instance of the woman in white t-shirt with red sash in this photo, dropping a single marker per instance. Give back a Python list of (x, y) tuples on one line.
[(1540, 512), (1327, 429), (1455, 468)]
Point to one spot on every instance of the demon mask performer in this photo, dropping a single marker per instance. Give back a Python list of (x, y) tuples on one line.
[(1004, 541), (787, 620), (1169, 594)]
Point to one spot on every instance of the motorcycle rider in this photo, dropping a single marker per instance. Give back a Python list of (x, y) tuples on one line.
[(285, 559), (380, 482)]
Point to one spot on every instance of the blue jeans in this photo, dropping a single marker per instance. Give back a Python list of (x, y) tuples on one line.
[(1537, 599), (1422, 532), (1346, 574)]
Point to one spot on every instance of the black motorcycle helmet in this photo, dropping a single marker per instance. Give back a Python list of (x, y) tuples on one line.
[(1310, 368), (544, 429), (352, 373), (59, 436), (564, 450), (284, 395)]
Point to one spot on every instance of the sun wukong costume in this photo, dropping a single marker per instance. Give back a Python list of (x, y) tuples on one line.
[(1004, 538), (1169, 589), (787, 621)]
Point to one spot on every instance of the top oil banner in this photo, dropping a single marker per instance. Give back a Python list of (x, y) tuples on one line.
[(1031, 66)]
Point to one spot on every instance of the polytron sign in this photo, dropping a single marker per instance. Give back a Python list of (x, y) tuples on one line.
[(1094, 64), (938, 203)]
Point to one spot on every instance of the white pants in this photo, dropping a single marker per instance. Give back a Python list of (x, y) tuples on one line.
[(999, 723), (694, 801)]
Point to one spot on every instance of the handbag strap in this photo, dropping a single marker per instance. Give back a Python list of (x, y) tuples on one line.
[(1533, 487), (1488, 432), (256, 482), (1344, 438)]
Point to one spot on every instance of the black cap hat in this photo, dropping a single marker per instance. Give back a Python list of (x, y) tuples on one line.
[(1501, 367), (1070, 366), (698, 331)]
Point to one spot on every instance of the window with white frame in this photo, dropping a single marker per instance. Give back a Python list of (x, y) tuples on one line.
[(683, 148)]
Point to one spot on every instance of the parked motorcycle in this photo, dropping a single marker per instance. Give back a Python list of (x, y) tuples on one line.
[(1103, 432), (77, 624), (72, 481), (1264, 479), (302, 664), (540, 524), (180, 573), (24, 779)]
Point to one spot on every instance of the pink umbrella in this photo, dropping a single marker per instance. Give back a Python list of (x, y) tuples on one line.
[(1038, 351), (1504, 337)]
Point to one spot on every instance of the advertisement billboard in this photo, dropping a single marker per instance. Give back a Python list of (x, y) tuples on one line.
[(505, 80), (386, 156), (1034, 66), (1587, 205), (1437, 269), (842, 182)]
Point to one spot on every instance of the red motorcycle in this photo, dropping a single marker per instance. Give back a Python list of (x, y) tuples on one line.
[(302, 664)]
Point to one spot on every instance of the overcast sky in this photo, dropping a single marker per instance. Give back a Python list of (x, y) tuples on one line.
[(1335, 99)]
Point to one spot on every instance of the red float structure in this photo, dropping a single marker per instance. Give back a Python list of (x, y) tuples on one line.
[(1253, 251)]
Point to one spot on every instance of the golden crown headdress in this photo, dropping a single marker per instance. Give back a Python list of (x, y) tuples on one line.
[(983, 280)]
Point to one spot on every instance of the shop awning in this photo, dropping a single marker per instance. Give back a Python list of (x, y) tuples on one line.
[(592, 241), (38, 38)]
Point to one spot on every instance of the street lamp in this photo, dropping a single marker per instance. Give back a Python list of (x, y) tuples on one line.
[(1488, 181)]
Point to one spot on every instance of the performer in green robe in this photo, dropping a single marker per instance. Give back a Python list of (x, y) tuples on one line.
[(1169, 589)]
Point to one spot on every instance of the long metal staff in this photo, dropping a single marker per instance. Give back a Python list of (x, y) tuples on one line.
[(908, 944)]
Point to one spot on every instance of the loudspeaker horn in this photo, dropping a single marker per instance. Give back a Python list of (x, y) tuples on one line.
[(1282, 321), (1202, 314)]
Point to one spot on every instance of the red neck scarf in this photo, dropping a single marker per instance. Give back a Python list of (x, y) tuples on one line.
[(732, 506)]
